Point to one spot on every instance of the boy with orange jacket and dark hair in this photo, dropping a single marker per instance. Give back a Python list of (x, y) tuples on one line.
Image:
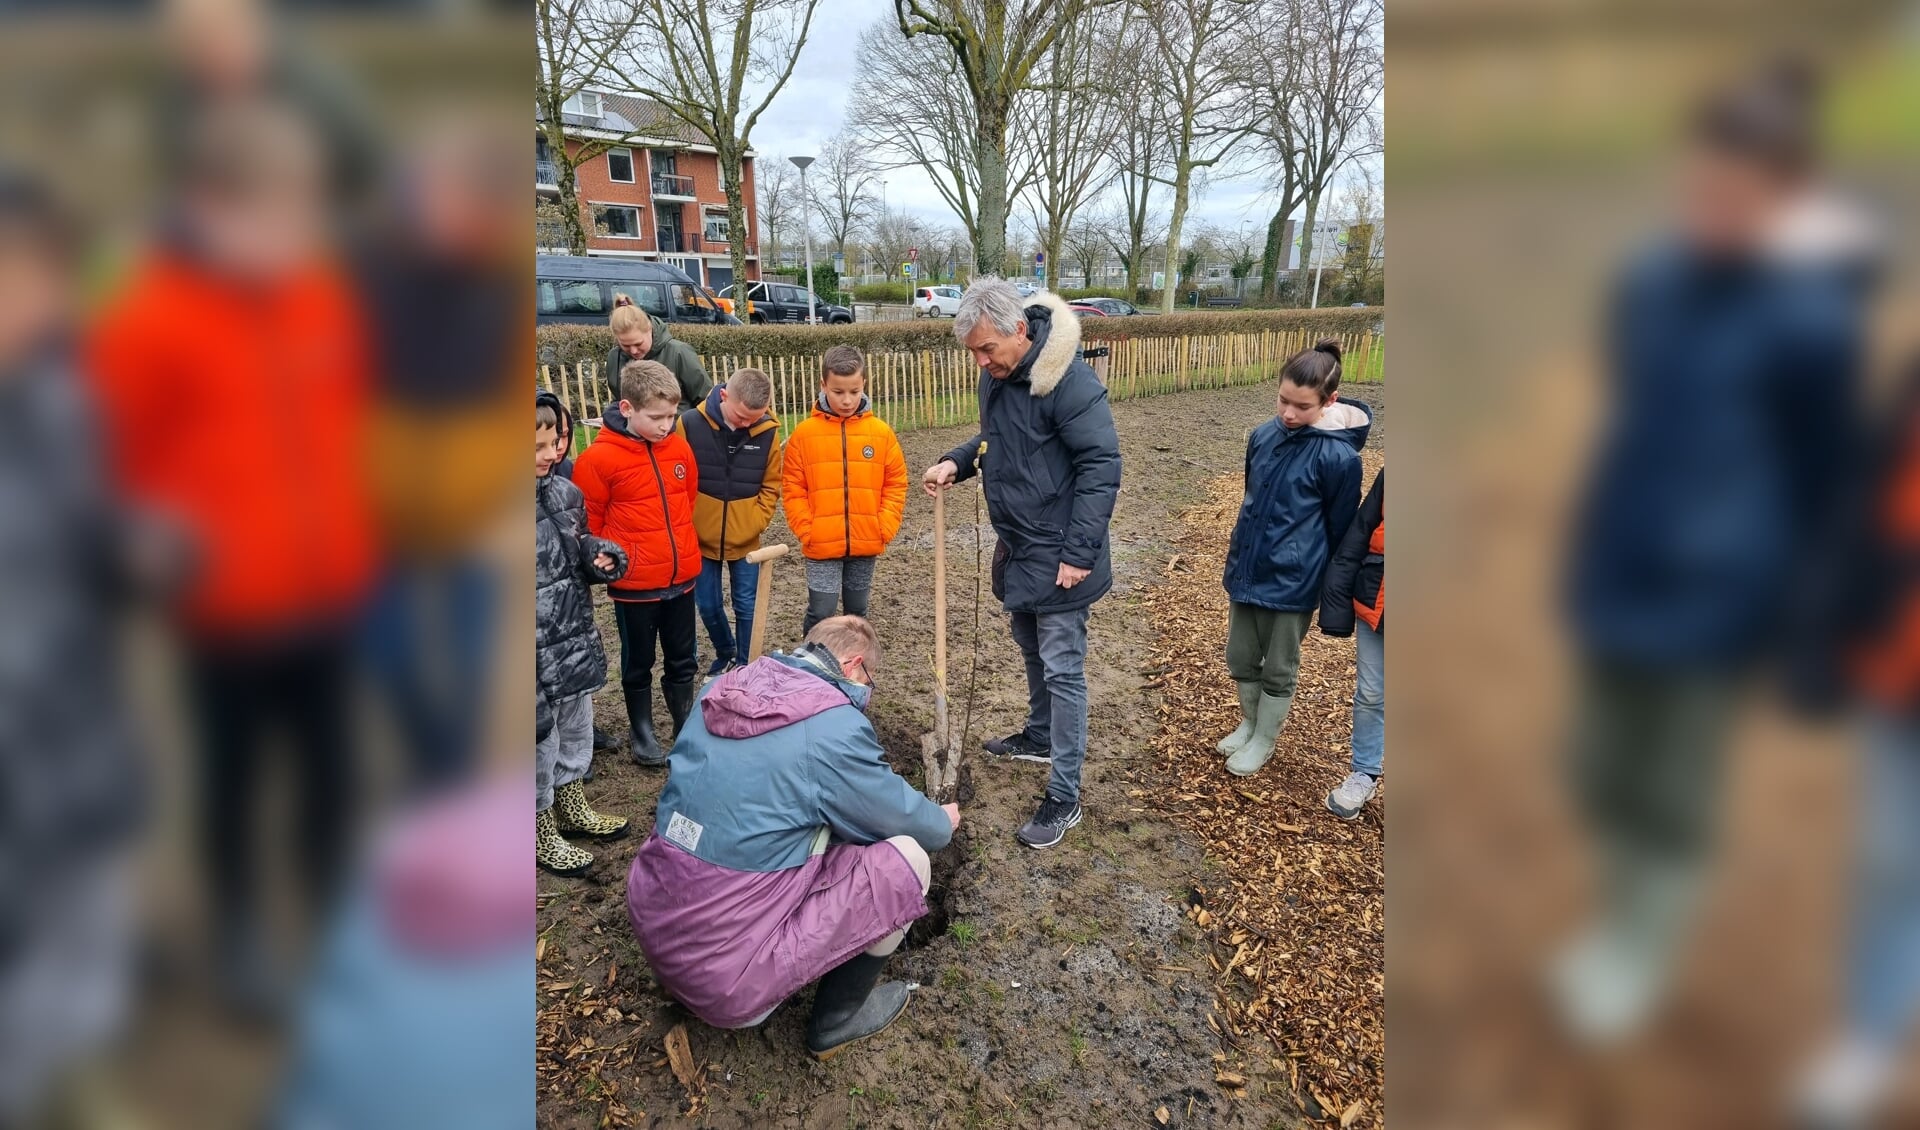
[(640, 480), (845, 488)]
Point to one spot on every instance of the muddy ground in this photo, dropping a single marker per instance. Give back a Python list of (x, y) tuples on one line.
[(1057, 988)]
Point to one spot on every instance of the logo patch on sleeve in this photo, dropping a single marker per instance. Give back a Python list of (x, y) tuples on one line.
[(684, 832), (867, 451), (679, 470)]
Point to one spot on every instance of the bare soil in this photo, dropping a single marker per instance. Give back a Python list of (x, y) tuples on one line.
[(1065, 988)]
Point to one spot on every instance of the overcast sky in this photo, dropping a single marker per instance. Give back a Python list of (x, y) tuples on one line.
[(813, 106)]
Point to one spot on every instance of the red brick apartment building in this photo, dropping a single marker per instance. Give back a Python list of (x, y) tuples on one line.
[(655, 195)]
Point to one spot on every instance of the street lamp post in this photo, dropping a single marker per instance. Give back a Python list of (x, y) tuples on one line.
[(806, 231)]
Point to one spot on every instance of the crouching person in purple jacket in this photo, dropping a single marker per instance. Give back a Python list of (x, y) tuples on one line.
[(784, 850)]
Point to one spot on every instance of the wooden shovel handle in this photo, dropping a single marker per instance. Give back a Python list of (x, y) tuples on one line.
[(940, 591), (766, 555)]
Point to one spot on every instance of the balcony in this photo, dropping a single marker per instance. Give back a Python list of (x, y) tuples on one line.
[(546, 174), (686, 243), (669, 186), (721, 245)]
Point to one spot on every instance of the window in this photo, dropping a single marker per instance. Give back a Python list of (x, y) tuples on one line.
[(792, 295), (716, 219), (573, 296), (618, 221), (651, 297), (586, 103), (620, 165), (689, 305)]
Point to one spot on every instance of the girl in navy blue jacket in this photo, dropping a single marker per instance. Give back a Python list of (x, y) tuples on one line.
[(1303, 488)]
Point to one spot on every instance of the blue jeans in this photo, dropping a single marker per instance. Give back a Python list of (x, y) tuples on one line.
[(1054, 645), (1369, 700), (709, 596), (428, 636), (1883, 982)]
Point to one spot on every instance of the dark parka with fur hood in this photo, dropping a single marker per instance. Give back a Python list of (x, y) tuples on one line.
[(1050, 465), (568, 657)]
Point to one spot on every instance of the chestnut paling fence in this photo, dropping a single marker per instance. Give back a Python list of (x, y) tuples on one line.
[(937, 388)]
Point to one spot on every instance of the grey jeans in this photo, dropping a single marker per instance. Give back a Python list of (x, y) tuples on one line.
[(828, 582), (1054, 645), (567, 752)]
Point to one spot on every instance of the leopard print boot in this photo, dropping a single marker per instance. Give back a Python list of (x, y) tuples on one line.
[(573, 814), (554, 853)]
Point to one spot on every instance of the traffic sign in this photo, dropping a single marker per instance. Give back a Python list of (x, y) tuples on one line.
[(913, 254), (906, 270), (1039, 258)]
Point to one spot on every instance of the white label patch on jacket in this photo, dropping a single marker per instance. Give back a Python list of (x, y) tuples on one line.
[(684, 832)]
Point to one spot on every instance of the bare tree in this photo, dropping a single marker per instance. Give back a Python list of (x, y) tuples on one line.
[(778, 186), (575, 43), (994, 46), (698, 60), (1196, 74), (911, 111), (1140, 166), (1318, 90), (843, 193), (1086, 249), (1076, 113), (894, 233)]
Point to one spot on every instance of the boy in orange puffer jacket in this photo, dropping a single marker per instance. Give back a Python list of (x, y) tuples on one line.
[(845, 488), (639, 480)]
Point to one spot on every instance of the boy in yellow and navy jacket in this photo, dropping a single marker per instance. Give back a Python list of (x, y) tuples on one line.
[(736, 445)]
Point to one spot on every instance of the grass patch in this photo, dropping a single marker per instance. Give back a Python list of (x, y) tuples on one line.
[(964, 933)]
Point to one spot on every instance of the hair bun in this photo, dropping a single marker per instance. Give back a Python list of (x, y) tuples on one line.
[(620, 300), (1328, 345)]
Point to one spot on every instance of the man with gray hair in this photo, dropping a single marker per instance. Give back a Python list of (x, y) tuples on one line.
[(1049, 462)]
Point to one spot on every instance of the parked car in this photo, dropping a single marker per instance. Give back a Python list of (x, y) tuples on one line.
[(1107, 307), (1027, 289), (579, 290), (785, 302), (935, 301)]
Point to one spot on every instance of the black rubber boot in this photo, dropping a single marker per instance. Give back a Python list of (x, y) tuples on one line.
[(644, 746), (604, 742), (847, 1007), (679, 703)]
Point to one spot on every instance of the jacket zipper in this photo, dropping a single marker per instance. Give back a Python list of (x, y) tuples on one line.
[(846, 487), (667, 510), (727, 455)]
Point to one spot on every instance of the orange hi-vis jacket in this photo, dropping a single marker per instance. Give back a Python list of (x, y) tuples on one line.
[(641, 495), (844, 484)]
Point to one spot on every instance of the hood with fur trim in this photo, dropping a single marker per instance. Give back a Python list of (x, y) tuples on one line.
[(1055, 330)]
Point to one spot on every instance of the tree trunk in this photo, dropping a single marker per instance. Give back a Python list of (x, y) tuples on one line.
[(1174, 224), (1055, 243), (570, 208), (1273, 260), (730, 180), (1306, 249), (990, 156)]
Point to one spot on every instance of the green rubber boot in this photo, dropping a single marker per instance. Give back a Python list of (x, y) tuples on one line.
[(1247, 760), (1249, 714)]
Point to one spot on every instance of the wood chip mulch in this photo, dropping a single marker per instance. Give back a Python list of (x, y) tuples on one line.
[(1299, 926)]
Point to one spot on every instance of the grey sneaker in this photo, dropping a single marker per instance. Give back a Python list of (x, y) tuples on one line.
[(1351, 795), (1050, 823), (1019, 747)]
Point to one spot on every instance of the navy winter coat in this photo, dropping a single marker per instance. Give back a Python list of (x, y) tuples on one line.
[(1303, 488), (1051, 465), (1732, 406)]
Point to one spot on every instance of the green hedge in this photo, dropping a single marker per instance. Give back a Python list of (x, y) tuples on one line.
[(571, 344), (898, 293)]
